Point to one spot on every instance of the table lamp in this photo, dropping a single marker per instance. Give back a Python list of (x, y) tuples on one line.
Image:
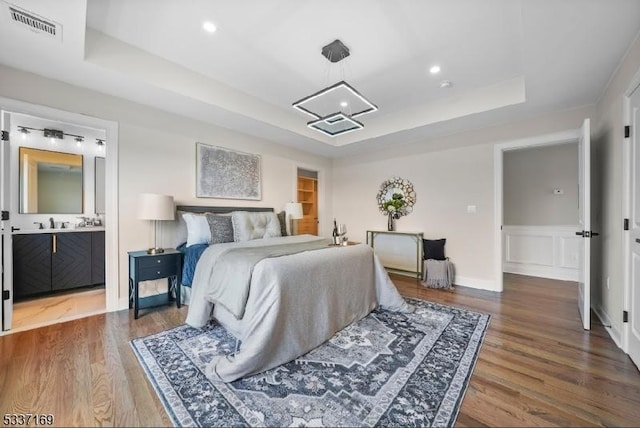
[(294, 212), (152, 206)]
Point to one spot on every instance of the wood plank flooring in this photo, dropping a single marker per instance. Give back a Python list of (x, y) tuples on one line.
[(48, 310), (537, 367)]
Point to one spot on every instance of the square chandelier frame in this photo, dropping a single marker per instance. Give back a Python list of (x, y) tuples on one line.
[(299, 105), (334, 123)]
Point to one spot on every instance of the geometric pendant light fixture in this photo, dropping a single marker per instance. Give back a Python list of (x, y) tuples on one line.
[(335, 108)]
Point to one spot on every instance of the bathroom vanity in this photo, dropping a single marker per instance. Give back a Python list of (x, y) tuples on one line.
[(45, 261)]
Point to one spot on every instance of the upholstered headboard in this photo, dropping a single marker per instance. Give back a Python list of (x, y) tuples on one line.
[(176, 231), (219, 210)]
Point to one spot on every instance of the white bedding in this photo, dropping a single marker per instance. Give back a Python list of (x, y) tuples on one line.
[(295, 303)]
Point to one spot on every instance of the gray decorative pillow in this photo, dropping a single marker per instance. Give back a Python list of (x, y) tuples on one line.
[(221, 228), (282, 218)]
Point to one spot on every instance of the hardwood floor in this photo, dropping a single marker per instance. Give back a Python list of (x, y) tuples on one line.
[(48, 310), (537, 367)]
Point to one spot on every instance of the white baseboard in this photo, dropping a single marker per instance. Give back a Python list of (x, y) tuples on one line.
[(615, 334), (123, 303), (481, 284), (551, 272)]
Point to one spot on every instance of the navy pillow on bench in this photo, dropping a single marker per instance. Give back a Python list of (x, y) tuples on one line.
[(433, 249)]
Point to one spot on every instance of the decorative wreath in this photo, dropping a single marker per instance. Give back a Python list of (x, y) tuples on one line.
[(396, 196)]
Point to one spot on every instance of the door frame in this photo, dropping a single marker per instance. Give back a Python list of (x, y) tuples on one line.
[(6, 306), (112, 274), (626, 205), (562, 137), (322, 187)]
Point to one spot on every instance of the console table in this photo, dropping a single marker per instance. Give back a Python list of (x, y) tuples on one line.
[(399, 252)]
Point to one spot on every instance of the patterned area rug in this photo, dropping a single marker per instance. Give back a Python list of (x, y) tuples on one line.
[(387, 369)]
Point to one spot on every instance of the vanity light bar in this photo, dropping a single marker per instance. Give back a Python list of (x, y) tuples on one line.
[(49, 133), (53, 133)]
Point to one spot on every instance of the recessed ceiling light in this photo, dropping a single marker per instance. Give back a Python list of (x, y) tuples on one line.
[(446, 84), (344, 104), (209, 27), (434, 69)]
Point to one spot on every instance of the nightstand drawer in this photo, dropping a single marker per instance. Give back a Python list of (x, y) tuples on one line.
[(157, 261), (160, 271)]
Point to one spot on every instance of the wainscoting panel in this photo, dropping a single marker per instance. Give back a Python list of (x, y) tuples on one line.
[(543, 251)]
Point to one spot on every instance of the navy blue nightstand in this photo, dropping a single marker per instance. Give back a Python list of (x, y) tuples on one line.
[(146, 267)]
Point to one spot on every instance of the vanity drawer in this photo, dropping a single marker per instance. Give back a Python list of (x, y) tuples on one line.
[(161, 271), (157, 261)]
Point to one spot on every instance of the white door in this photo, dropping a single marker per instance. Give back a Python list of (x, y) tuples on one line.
[(6, 308), (633, 336), (584, 282)]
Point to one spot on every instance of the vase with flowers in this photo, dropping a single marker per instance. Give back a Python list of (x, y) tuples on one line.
[(394, 207)]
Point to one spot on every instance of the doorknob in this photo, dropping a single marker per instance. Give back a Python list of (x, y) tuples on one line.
[(587, 234)]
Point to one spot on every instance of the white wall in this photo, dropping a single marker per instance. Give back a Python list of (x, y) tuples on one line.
[(157, 154), (529, 179), (446, 182), (609, 163)]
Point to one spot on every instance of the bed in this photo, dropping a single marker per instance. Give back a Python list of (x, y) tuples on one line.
[(300, 292)]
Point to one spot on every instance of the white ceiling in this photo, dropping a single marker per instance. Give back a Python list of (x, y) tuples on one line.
[(507, 59)]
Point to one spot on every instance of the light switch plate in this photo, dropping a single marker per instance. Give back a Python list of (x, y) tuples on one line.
[(472, 209)]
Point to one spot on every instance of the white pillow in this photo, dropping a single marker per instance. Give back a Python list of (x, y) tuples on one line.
[(250, 225), (198, 231)]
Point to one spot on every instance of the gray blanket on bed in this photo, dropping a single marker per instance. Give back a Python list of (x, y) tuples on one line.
[(296, 302), (234, 267)]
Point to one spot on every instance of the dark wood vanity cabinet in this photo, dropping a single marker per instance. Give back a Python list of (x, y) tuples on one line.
[(98, 257), (31, 264), (71, 260), (48, 262)]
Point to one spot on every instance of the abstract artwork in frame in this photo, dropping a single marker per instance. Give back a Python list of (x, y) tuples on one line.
[(227, 174)]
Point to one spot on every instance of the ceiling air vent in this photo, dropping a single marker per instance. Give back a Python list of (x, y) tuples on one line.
[(35, 23)]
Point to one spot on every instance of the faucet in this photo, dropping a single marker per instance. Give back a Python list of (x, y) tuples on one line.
[(82, 222), (40, 225), (52, 224), (62, 224)]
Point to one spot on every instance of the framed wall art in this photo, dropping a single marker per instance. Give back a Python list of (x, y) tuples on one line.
[(227, 174)]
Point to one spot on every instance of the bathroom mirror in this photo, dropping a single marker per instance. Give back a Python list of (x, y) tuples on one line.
[(50, 182), (99, 185)]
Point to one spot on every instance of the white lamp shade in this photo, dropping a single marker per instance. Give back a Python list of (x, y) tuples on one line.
[(152, 206), (294, 210)]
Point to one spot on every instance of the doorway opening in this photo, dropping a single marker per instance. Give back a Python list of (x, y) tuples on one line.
[(582, 138), (540, 211), (59, 236), (307, 195)]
